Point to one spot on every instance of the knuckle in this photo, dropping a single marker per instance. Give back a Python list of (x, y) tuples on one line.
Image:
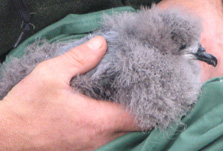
[(43, 71), (76, 58), (42, 66)]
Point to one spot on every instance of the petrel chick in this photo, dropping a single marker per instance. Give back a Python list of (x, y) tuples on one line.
[(150, 67)]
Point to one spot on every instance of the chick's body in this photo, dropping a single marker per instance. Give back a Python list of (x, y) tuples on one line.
[(145, 67)]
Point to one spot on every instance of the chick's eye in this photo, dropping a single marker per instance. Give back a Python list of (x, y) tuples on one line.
[(182, 47)]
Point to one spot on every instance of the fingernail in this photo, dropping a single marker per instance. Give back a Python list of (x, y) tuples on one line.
[(95, 43)]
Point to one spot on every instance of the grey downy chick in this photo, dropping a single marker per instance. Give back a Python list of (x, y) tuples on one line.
[(150, 66)]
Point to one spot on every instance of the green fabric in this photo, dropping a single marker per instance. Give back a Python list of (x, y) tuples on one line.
[(47, 12), (204, 129), (73, 26)]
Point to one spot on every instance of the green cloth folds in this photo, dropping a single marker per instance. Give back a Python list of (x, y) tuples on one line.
[(73, 26), (203, 128), (46, 12)]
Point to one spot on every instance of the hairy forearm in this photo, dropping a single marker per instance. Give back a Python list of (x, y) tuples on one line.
[(11, 130), (19, 131)]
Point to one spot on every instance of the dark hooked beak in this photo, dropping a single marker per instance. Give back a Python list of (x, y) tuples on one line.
[(202, 55)]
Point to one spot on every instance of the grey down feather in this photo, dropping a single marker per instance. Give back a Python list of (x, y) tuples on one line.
[(148, 66)]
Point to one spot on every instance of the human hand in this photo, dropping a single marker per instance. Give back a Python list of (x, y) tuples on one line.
[(44, 113)]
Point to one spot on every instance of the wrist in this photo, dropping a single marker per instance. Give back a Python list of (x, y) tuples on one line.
[(18, 131), (12, 129)]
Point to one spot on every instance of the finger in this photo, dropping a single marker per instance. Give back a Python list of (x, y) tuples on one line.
[(84, 57), (76, 61), (119, 118), (114, 116)]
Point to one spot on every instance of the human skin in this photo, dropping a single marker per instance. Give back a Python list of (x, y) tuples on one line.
[(33, 120), (43, 112), (211, 14)]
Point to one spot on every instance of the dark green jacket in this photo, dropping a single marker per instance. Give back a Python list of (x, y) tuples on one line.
[(204, 124), (46, 12)]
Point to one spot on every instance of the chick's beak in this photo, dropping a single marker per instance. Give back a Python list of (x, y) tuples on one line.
[(202, 55)]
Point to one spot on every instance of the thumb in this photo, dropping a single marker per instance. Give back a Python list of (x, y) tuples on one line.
[(80, 59)]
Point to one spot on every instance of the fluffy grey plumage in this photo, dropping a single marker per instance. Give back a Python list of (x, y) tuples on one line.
[(147, 67)]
